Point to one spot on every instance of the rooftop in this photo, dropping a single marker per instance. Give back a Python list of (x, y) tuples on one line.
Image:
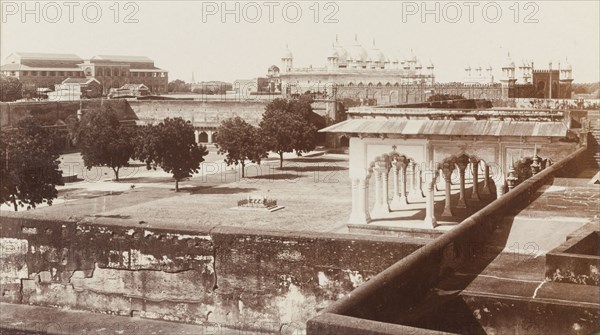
[(496, 128), (47, 56), (121, 58)]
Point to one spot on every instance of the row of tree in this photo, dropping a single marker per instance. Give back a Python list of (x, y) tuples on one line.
[(169, 145), (29, 153), (286, 126)]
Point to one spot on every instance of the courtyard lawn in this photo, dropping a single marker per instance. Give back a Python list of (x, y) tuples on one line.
[(315, 192)]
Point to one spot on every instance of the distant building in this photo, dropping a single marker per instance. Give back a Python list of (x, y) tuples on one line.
[(116, 71), (129, 90), (76, 88), (44, 70), (478, 76), (537, 83), (210, 87), (348, 66)]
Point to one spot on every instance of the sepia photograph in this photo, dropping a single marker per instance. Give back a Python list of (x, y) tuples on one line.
[(351, 167)]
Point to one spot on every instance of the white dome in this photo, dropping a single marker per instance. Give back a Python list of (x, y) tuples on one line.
[(341, 52), (333, 53), (287, 54), (376, 55), (357, 53)]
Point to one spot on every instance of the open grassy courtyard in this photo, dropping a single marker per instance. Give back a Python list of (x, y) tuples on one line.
[(315, 192)]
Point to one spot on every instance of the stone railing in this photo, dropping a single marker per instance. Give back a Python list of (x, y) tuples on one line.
[(373, 307)]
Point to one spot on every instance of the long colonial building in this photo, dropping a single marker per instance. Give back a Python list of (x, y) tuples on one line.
[(43, 70)]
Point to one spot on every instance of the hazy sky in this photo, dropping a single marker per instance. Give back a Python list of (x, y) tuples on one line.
[(191, 36)]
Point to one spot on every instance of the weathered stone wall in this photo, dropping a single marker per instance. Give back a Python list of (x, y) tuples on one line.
[(55, 113), (227, 276), (199, 112)]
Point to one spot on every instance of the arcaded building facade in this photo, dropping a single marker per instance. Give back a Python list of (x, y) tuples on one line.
[(350, 66)]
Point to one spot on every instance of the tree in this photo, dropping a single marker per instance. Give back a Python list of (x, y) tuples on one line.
[(240, 141), (10, 88), (289, 126), (178, 85), (29, 165), (104, 141), (171, 145)]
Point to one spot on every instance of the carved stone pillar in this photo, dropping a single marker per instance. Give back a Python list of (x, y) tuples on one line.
[(411, 178), (420, 184), (403, 194), (448, 166), (381, 188), (462, 162), (355, 202), (360, 208), (399, 169), (486, 180), (430, 219), (475, 172), (377, 173), (499, 185), (363, 187), (396, 168)]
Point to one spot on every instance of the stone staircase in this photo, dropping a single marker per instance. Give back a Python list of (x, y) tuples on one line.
[(593, 158)]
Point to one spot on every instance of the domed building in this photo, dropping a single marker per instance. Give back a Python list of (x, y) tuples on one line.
[(349, 66)]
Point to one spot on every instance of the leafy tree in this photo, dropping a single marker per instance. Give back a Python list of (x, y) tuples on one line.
[(289, 126), (171, 145), (10, 88), (240, 141), (104, 141), (29, 165), (178, 85)]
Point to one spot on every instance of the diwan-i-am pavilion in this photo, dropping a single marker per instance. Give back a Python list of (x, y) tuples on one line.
[(413, 152)]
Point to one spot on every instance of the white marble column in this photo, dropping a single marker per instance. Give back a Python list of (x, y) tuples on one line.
[(385, 192), (448, 167), (363, 192), (486, 180), (197, 136), (399, 170), (377, 174), (475, 172), (462, 163), (396, 181), (430, 219), (360, 202), (403, 194), (500, 183), (411, 179), (355, 201)]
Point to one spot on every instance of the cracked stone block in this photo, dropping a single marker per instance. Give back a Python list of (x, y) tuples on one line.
[(28, 285), (45, 277)]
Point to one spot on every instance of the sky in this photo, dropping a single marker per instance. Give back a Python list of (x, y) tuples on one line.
[(201, 37)]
